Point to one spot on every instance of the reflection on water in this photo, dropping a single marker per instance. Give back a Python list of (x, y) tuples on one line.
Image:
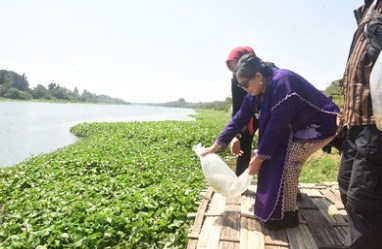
[(28, 128)]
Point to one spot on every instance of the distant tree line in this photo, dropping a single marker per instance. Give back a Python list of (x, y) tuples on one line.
[(334, 91), (16, 86), (215, 105)]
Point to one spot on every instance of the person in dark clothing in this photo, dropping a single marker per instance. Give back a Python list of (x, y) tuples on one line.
[(242, 144), (360, 173)]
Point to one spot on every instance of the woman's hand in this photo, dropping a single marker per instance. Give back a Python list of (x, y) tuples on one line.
[(255, 165), (235, 147), (212, 149)]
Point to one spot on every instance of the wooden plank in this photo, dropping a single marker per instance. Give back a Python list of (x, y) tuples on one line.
[(229, 239), (310, 186), (275, 247), (325, 208), (249, 216), (321, 230), (329, 194), (251, 205), (231, 223), (295, 239), (198, 223), (253, 187), (305, 202), (210, 234), (247, 203), (211, 230), (343, 231), (213, 213), (340, 235), (313, 193), (336, 192), (233, 200), (243, 204), (217, 204), (327, 184), (255, 235), (307, 236), (192, 243), (243, 233), (275, 237)]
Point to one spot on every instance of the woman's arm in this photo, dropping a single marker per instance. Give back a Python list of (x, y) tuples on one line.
[(237, 123), (212, 149), (255, 165)]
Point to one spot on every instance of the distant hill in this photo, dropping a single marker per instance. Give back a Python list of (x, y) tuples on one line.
[(16, 86)]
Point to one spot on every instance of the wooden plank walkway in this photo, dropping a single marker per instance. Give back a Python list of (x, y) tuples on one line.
[(229, 222)]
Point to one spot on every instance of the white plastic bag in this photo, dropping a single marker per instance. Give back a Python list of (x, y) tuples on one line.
[(376, 91), (220, 176)]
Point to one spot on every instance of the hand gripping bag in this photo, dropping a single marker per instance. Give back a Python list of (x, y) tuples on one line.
[(376, 91), (220, 176)]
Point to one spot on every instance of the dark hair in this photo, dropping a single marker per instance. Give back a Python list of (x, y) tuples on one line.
[(250, 64)]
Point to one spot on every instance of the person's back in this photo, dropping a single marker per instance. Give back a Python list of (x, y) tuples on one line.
[(307, 113)]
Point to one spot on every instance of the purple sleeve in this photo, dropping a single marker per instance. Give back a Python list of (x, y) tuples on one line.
[(280, 119), (237, 123)]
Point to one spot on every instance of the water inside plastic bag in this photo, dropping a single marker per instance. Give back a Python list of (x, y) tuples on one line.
[(220, 176)]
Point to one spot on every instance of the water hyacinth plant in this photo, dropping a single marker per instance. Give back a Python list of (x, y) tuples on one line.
[(123, 185)]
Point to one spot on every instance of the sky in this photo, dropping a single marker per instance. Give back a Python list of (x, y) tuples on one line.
[(161, 50)]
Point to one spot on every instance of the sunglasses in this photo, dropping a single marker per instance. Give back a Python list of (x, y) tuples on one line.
[(244, 84)]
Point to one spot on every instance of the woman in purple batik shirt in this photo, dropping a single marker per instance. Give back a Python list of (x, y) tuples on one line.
[(295, 120)]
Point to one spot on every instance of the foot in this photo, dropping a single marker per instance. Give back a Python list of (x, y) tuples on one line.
[(290, 220)]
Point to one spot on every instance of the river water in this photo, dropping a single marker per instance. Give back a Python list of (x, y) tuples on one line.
[(29, 128)]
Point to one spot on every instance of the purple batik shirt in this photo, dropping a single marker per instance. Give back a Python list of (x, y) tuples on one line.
[(289, 102)]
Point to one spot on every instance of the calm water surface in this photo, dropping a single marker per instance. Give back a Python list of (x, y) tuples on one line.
[(28, 128)]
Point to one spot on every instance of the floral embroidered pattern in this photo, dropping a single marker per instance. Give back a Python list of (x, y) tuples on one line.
[(297, 156), (280, 193), (302, 99), (262, 157)]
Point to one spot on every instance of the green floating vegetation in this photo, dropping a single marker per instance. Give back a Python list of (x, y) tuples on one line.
[(123, 185)]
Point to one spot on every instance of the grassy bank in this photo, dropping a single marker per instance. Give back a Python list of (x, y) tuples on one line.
[(124, 185)]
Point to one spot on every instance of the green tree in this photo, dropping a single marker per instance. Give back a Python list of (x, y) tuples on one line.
[(11, 79), (13, 93), (40, 92), (20, 82), (335, 90), (88, 96)]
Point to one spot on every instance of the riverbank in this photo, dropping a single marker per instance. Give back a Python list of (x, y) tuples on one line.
[(31, 128), (123, 185)]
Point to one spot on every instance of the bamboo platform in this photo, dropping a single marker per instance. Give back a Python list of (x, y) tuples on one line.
[(229, 222)]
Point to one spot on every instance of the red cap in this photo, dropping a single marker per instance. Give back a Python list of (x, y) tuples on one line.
[(238, 52)]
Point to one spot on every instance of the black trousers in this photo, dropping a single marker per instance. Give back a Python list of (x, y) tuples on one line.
[(242, 162), (360, 183)]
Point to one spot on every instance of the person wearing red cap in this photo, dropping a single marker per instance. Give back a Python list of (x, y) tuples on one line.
[(242, 144)]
